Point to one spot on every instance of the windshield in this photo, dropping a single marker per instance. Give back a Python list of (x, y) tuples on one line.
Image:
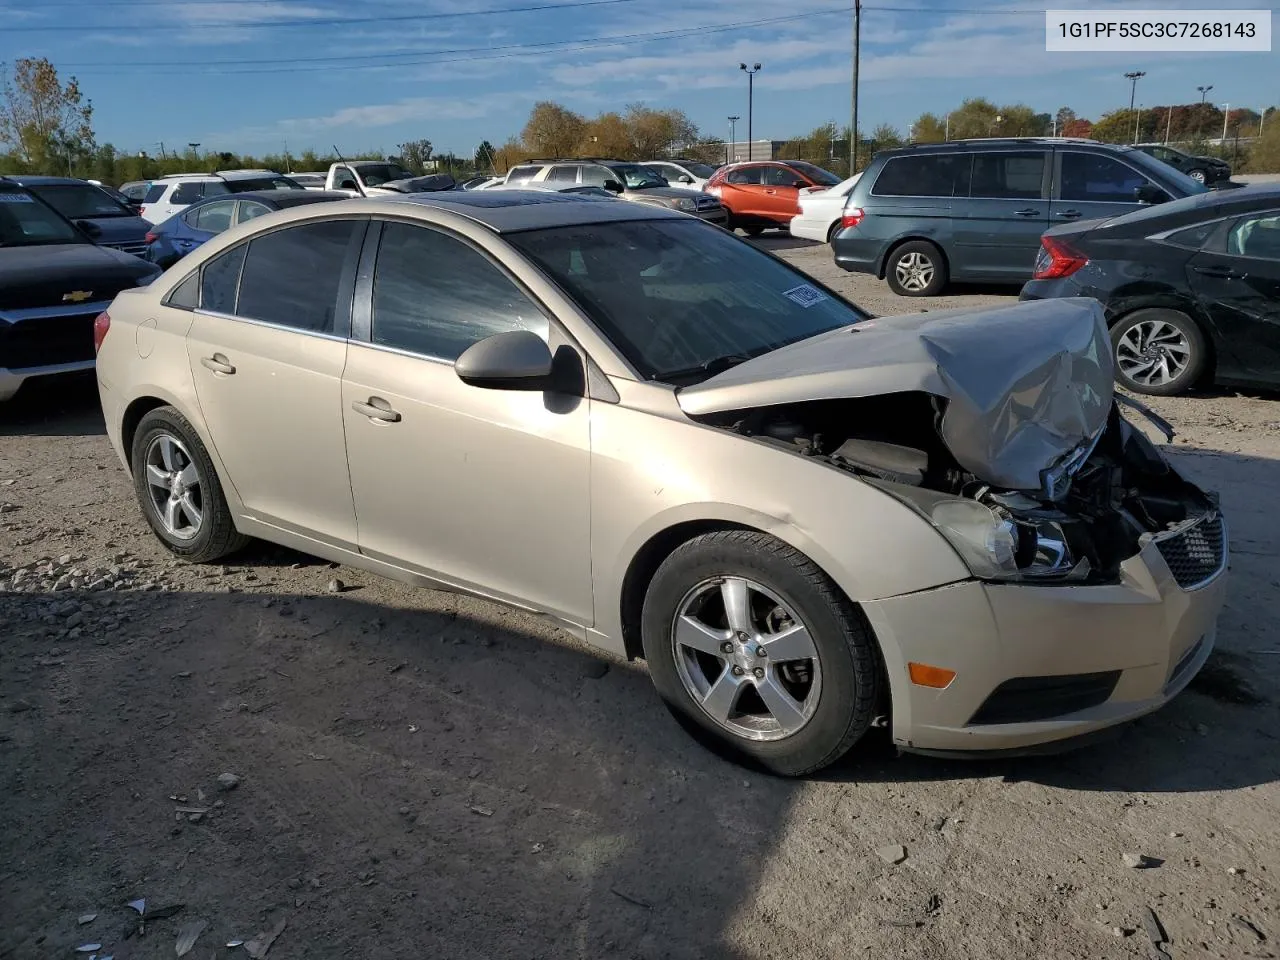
[(376, 174), (77, 201), (26, 222), (260, 183), (702, 171), (814, 173), (680, 299), (637, 177), (1165, 175)]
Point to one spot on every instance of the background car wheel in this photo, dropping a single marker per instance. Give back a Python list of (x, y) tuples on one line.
[(753, 231), (178, 489), (916, 269), (1159, 352), (831, 233), (755, 650), (1197, 175)]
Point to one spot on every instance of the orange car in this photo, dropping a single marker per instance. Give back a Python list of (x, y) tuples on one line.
[(766, 193)]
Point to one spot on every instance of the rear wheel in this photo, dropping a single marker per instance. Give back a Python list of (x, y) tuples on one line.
[(831, 233), (754, 230), (916, 269), (756, 651), (1159, 352)]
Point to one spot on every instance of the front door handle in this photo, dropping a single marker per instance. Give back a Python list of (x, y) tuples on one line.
[(218, 364), (376, 409), (1026, 212), (1220, 272), (1070, 214), (770, 191)]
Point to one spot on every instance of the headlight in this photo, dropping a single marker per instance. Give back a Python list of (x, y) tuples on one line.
[(689, 206)]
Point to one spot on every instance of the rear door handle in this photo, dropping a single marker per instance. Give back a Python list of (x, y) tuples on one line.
[(1026, 212), (218, 364), (1070, 214), (376, 409), (770, 191), (1220, 272)]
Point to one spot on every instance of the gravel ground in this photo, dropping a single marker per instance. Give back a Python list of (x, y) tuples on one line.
[(421, 775)]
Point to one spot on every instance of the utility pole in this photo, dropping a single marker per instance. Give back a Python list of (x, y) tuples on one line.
[(1204, 92), (857, 52), (946, 130), (1137, 123), (1133, 79), (1226, 113), (733, 139), (1168, 125), (751, 77)]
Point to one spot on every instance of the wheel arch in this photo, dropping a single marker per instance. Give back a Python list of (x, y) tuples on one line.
[(893, 248)]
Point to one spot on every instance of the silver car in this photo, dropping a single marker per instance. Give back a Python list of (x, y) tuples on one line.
[(807, 521)]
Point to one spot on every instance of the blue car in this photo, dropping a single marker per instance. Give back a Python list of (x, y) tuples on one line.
[(106, 221), (170, 241)]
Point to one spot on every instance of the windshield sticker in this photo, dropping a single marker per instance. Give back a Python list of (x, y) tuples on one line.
[(805, 295), (7, 197)]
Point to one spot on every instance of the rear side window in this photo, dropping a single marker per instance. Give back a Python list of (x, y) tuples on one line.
[(744, 175), (215, 217), (186, 193), (1008, 176), (562, 173), (522, 174), (1193, 238), (1256, 236), (154, 193), (1092, 176), (186, 296), (291, 277), (927, 175), (220, 279)]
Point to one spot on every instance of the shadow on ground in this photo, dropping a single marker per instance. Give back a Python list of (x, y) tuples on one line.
[(54, 407)]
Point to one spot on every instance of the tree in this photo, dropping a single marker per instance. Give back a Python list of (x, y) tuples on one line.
[(928, 129), (1264, 157), (607, 136), (1077, 128), (42, 119), (1062, 119), (658, 133), (553, 130), (483, 159), (415, 154), (509, 154)]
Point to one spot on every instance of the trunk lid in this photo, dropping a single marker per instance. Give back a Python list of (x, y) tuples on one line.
[(1028, 387)]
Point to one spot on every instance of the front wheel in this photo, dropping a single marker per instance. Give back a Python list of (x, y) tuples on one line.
[(1158, 352), (1198, 175), (917, 269), (752, 647), (754, 230)]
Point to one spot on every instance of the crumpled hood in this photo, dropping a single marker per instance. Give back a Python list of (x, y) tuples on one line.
[(1026, 386), (426, 184)]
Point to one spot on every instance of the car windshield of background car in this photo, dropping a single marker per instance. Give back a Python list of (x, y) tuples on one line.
[(637, 177), (680, 298), (1163, 174), (378, 174), (26, 222), (77, 201)]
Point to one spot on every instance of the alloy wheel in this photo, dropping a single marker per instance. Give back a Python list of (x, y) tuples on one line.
[(174, 483), (1197, 176), (746, 658), (1153, 353), (914, 271)]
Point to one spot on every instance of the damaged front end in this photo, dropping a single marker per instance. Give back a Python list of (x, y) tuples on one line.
[(1006, 438)]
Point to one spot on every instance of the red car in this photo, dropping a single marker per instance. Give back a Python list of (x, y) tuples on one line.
[(761, 194)]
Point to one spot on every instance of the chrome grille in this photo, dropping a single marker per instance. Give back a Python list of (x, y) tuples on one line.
[(137, 247), (1195, 553)]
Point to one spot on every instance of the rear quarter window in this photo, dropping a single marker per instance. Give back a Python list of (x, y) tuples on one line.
[(936, 175), (154, 193)]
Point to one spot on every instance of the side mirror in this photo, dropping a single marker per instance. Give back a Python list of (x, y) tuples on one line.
[(684, 178), (613, 186), (516, 360), (799, 184), (89, 227), (1149, 193)]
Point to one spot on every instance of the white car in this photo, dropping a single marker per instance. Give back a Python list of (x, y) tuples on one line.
[(177, 191), (310, 181), (688, 174), (820, 212)]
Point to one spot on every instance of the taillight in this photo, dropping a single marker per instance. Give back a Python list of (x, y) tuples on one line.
[(150, 237), (101, 324), (1056, 260), (852, 217)]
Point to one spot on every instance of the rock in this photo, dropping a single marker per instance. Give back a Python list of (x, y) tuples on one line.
[(482, 811), (892, 853), (1235, 871), (336, 585), (228, 781), (1175, 834), (8, 507), (1139, 861), (75, 619)]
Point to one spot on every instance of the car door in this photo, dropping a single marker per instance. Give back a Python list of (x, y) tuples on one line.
[(781, 193), (1238, 286), (743, 191), (267, 347), (997, 232), (479, 488), (1090, 186)]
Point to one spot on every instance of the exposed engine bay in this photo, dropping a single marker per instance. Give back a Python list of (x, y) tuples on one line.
[(1108, 495)]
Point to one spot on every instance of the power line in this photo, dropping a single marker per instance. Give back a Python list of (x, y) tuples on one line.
[(504, 51)]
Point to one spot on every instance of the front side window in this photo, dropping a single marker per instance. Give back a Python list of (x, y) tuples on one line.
[(781, 177), (1008, 176), (77, 201), (1096, 177), (214, 217), (681, 299), (744, 175), (220, 279), (291, 276), (1256, 236), (925, 175), (250, 209), (435, 296)]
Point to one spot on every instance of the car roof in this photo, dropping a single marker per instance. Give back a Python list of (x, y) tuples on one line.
[(1005, 143), (36, 180), (511, 211)]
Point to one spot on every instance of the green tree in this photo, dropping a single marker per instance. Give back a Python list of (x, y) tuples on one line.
[(483, 159), (553, 130), (658, 133), (928, 129), (1264, 157), (415, 154), (46, 122)]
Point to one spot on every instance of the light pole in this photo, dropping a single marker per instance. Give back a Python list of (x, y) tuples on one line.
[(751, 77), (1137, 123), (733, 139), (853, 122), (1204, 92), (1133, 77), (1226, 114)]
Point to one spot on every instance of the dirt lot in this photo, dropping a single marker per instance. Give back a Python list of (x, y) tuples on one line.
[(426, 776)]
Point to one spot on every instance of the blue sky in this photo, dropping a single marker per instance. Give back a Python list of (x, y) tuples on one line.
[(158, 70)]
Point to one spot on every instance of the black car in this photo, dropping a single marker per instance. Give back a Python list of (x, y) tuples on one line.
[(170, 241), (107, 221), (53, 284), (1191, 289), (1207, 170), (974, 210)]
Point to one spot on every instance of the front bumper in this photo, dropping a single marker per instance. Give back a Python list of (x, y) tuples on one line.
[(1150, 632), (45, 342)]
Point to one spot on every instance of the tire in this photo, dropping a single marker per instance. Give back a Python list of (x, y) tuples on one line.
[(1158, 352), (831, 233), (1198, 175), (754, 230), (916, 269), (198, 526), (831, 697)]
